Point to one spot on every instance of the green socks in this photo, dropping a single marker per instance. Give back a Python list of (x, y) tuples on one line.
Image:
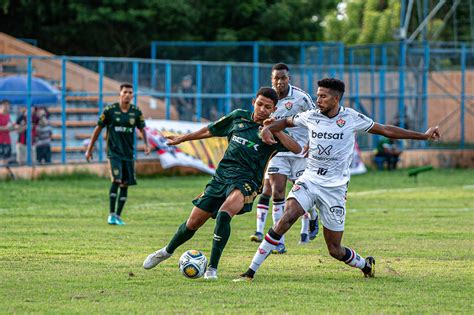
[(221, 236), (182, 235), (122, 199), (113, 196)]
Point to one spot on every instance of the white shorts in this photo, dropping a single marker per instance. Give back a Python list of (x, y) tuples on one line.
[(331, 202), (290, 166)]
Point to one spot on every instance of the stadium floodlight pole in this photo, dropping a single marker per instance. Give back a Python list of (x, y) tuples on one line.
[(405, 19), (426, 21), (446, 18)]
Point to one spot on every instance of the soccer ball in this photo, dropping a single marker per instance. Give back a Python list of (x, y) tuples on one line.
[(192, 264)]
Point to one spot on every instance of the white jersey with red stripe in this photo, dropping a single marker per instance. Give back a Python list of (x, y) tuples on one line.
[(297, 101), (331, 144)]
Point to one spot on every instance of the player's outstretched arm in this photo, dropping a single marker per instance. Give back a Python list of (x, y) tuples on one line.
[(90, 146), (202, 133), (395, 132)]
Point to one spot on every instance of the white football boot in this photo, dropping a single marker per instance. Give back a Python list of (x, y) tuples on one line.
[(155, 258), (211, 274)]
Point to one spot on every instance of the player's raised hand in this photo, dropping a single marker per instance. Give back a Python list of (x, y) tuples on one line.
[(89, 156), (267, 136), (268, 121), (173, 140), (433, 134)]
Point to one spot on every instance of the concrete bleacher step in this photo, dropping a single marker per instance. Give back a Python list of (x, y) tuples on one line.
[(70, 149), (83, 98), (74, 110), (73, 124)]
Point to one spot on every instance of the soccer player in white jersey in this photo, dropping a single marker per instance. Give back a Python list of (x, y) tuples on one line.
[(283, 166), (331, 130)]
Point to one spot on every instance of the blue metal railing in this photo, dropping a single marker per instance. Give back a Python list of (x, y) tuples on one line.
[(380, 82)]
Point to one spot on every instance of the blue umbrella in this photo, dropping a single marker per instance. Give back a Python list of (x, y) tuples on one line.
[(15, 90)]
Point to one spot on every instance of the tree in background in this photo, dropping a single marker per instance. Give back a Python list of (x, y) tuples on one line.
[(125, 28), (376, 21), (361, 21)]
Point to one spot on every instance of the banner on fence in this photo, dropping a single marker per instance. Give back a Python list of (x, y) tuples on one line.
[(204, 154)]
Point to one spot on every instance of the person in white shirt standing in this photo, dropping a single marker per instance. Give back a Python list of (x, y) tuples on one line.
[(331, 130), (285, 165)]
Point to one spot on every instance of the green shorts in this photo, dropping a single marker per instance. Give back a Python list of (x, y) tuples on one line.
[(123, 171), (216, 193)]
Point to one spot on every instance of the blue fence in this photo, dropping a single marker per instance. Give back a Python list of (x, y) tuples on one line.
[(408, 85)]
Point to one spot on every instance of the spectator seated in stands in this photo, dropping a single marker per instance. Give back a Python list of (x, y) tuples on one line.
[(387, 153)]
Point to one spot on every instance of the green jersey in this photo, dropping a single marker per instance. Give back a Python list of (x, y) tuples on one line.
[(121, 130), (246, 156)]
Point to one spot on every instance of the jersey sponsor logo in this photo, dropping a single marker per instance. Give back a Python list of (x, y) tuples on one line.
[(340, 122), (327, 135), (123, 129), (324, 150), (273, 169), (289, 105), (245, 142), (322, 171)]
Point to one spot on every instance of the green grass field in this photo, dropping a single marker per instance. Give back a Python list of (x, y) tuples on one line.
[(58, 255)]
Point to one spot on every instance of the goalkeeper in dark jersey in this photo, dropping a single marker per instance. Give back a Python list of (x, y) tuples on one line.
[(120, 119), (238, 178)]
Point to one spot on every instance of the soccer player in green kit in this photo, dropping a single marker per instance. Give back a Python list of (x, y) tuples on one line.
[(238, 178), (120, 119)]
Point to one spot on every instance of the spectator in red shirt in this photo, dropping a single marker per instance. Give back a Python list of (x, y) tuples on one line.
[(5, 127), (20, 126)]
